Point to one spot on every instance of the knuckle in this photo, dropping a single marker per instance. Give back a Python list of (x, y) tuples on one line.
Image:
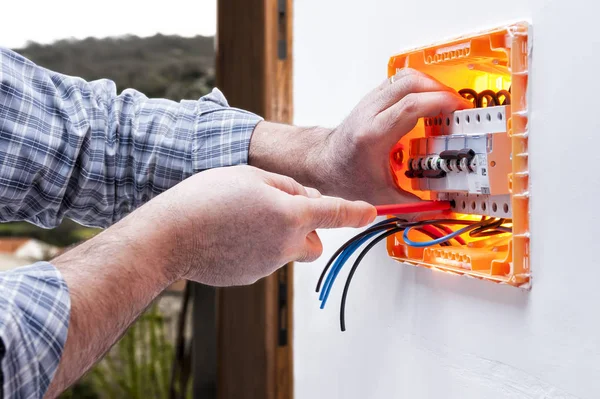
[(341, 212), (336, 213), (403, 73), (313, 192), (409, 83), (311, 254), (410, 103)]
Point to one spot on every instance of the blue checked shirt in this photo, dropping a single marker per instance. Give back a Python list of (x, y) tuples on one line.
[(76, 149)]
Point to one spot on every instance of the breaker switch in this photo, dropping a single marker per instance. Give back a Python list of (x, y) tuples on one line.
[(449, 154), (466, 153), (434, 174)]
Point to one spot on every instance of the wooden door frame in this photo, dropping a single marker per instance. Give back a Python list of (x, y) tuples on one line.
[(254, 323)]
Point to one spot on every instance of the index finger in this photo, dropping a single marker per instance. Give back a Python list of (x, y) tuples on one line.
[(408, 81), (402, 117), (330, 212)]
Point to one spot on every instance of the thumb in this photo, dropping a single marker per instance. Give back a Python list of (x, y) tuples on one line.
[(330, 212)]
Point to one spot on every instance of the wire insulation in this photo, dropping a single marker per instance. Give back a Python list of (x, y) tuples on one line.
[(437, 229), (353, 270), (415, 207)]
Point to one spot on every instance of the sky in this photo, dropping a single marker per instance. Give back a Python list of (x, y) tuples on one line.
[(45, 21)]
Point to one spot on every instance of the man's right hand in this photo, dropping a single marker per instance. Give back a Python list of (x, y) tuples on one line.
[(233, 226), (227, 226)]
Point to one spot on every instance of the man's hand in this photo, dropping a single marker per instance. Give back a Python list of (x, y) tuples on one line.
[(226, 226), (352, 160), (233, 226)]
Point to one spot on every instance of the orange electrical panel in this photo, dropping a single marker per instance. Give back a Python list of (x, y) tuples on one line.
[(477, 158)]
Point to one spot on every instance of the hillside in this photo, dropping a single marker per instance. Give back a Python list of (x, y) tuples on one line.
[(159, 66)]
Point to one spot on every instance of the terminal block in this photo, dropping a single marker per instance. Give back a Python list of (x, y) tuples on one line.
[(476, 157)]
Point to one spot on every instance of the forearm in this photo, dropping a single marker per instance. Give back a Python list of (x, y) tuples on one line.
[(112, 279), (77, 149), (316, 157), (300, 153)]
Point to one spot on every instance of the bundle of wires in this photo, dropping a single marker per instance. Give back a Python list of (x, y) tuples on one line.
[(486, 98), (437, 229)]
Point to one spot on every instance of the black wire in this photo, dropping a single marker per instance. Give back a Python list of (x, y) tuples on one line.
[(490, 229), (389, 223), (506, 95), (353, 270), (491, 97), (382, 226), (480, 231), (469, 94)]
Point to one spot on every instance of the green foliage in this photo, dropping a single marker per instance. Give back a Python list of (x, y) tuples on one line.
[(160, 66), (64, 235), (138, 367)]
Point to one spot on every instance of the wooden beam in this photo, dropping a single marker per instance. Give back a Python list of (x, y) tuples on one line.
[(254, 71)]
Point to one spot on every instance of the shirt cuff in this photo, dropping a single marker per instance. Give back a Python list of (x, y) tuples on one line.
[(34, 320), (225, 132)]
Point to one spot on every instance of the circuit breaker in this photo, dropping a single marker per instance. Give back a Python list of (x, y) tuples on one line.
[(477, 157)]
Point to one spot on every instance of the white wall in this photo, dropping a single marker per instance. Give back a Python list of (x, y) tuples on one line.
[(413, 333)]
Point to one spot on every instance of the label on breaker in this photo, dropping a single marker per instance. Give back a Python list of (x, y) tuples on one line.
[(479, 181)]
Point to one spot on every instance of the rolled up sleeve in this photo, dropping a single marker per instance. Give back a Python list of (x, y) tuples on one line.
[(77, 149)]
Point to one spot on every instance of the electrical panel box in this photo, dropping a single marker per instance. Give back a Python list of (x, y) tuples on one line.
[(478, 157)]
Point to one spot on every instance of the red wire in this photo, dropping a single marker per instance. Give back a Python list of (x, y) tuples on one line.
[(414, 207), (432, 230), (448, 230)]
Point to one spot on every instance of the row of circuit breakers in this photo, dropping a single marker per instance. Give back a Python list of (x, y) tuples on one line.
[(465, 157)]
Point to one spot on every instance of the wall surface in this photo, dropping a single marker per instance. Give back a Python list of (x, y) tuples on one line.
[(413, 333)]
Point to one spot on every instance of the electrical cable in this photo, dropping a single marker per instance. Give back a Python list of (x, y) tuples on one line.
[(492, 98), (505, 94), (488, 229), (447, 237), (488, 95), (432, 228), (337, 267), (344, 255), (448, 230), (432, 232), (470, 95), (376, 227), (414, 207), (353, 270), (381, 210), (347, 250)]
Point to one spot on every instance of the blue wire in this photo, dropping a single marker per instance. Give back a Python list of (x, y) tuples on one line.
[(422, 244), (343, 258), (349, 251), (339, 263)]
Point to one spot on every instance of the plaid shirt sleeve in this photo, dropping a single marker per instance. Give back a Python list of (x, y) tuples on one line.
[(34, 316), (76, 149)]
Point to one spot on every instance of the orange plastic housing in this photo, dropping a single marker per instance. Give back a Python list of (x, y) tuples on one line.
[(497, 59)]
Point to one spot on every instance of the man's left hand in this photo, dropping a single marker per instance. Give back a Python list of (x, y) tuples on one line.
[(352, 160)]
